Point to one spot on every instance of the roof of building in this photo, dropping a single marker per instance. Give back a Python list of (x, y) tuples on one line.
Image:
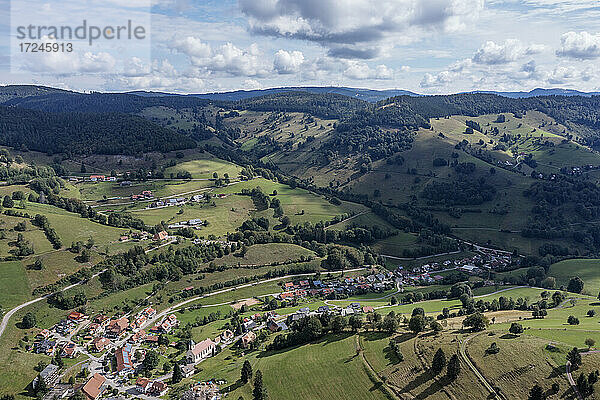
[(92, 388), (202, 346), (143, 382), (49, 370), (123, 356)]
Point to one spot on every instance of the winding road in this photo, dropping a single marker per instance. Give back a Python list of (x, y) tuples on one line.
[(10, 313)]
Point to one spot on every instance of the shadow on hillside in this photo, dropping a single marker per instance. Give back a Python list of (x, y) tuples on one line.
[(418, 381), (434, 388), (557, 371), (234, 386), (374, 336), (509, 336)]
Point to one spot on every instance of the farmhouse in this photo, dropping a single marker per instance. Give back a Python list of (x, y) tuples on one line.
[(162, 235), (248, 339), (98, 344), (116, 327), (159, 388), (142, 385)]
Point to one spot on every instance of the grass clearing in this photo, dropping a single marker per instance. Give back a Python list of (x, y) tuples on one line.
[(14, 285)]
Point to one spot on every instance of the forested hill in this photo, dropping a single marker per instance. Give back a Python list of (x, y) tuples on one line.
[(320, 105), (565, 109), (86, 133), (19, 91), (102, 102)]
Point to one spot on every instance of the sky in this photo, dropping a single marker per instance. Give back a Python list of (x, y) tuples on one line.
[(426, 46)]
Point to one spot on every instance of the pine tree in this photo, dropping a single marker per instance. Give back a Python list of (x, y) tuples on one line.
[(259, 392), (574, 358), (536, 393), (177, 374), (453, 367), (439, 361), (246, 372)]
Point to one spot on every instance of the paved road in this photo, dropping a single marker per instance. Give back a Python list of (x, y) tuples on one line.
[(192, 299), (10, 313)]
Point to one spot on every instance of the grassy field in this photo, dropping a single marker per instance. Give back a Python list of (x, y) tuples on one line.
[(588, 270), (262, 254), (71, 227), (227, 214), (14, 285), (412, 377), (300, 372), (294, 201), (395, 245), (204, 166), (522, 362)]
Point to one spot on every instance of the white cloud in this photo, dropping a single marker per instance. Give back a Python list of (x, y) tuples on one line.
[(511, 50), (582, 46), (252, 84), (227, 58), (288, 62), (359, 71)]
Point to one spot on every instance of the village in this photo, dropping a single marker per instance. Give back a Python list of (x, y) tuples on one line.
[(117, 346)]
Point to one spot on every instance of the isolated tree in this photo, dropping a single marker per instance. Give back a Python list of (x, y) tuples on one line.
[(572, 320), (555, 387), (536, 393), (589, 342), (591, 313), (38, 265), (439, 361), (574, 358), (584, 386), (418, 311), (493, 349), (575, 285), (417, 323), (259, 392), (28, 321), (453, 369), (557, 298), (246, 372), (8, 202), (516, 328), (436, 326), (177, 374), (477, 321)]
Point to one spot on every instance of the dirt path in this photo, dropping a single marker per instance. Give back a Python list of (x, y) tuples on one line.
[(467, 360), (572, 381)]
